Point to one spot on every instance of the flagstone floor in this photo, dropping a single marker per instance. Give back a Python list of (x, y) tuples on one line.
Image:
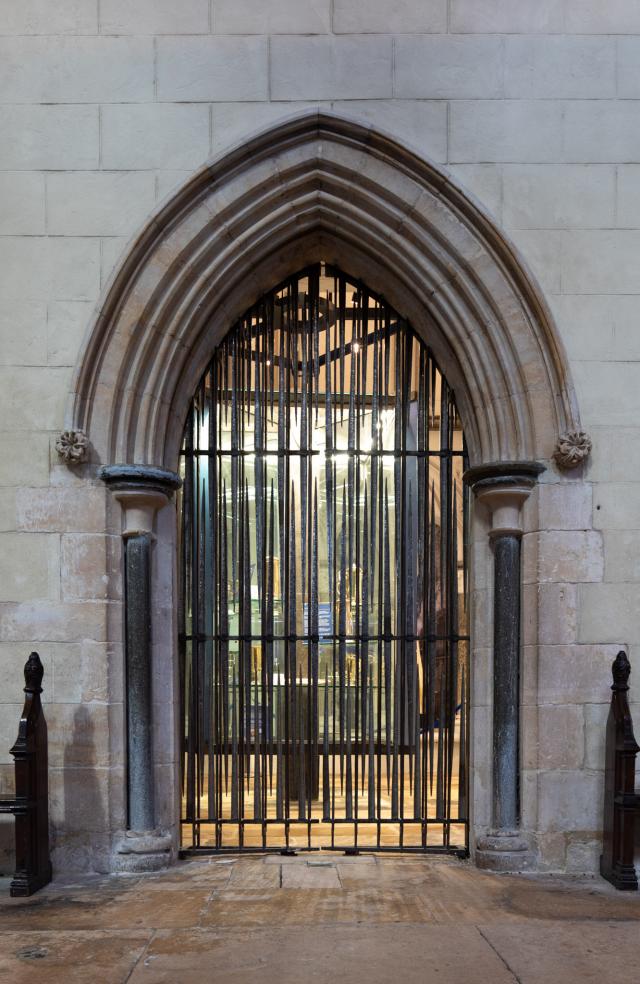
[(328, 918)]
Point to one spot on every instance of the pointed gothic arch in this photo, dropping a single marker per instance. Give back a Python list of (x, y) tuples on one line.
[(321, 187)]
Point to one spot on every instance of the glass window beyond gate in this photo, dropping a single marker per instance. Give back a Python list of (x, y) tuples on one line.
[(323, 621)]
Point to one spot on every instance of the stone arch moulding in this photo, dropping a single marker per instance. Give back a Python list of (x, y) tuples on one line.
[(321, 186)]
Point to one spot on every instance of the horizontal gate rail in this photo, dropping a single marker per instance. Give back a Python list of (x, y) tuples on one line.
[(30, 805)]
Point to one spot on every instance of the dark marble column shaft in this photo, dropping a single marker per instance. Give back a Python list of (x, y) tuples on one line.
[(506, 681), (138, 662)]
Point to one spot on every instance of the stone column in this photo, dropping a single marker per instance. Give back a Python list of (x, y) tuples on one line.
[(141, 490), (504, 487)]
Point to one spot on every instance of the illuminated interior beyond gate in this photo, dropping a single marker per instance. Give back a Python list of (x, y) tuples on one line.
[(323, 621)]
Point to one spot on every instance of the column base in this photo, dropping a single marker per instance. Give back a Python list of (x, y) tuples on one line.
[(142, 850), (504, 850)]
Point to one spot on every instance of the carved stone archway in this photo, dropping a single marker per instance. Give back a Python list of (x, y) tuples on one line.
[(320, 187), (316, 185)]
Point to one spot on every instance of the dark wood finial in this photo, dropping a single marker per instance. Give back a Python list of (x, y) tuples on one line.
[(33, 673), (620, 669)]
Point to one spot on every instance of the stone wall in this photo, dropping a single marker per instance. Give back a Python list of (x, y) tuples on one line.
[(106, 106)]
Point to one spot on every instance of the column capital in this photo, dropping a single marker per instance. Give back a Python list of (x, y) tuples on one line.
[(504, 486), (141, 490)]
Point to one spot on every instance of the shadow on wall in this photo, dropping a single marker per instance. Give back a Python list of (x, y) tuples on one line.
[(7, 843), (83, 823)]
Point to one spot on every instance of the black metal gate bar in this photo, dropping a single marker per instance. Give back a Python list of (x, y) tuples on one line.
[(323, 617)]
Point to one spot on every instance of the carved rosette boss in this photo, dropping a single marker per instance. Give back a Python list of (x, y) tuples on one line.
[(73, 447), (572, 449)]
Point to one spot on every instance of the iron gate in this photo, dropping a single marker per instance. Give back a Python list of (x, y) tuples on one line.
[(323, 621)]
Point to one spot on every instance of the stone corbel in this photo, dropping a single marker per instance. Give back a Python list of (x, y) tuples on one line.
[(504, 496), (141, 490), (139, 508)]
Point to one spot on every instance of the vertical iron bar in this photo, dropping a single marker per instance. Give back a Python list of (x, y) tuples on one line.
[(364, 631), (349, 780), (268, 642), (257, 742), (387, 632), (342, 629), (326, 796), (279, 759), (224, 625), (313, 683), (371, 778), (432, 650), (234, 465), (302, 761), (235, 776), (293, 629), (304, 446), (462, 753)]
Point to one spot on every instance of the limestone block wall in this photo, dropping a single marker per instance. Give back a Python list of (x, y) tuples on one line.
[(106, 106)]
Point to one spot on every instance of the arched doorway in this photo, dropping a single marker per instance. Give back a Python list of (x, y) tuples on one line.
[(324, 637), (320, 187)]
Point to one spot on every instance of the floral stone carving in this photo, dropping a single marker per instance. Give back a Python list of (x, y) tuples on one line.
[(572, 449), (73, 447)]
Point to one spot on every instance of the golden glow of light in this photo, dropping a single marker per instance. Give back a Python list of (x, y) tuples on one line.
[(365, 443)]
